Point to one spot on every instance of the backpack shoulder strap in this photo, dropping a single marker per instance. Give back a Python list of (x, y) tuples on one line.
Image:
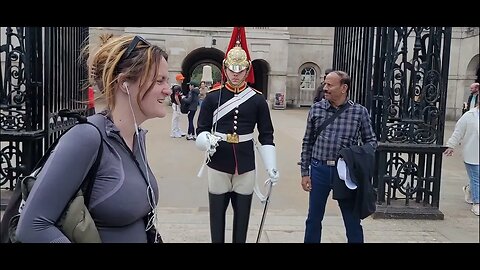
[(88, 181), (87, 184)]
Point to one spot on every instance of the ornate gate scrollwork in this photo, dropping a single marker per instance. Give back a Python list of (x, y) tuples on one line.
[(400, 74), (41, 74)]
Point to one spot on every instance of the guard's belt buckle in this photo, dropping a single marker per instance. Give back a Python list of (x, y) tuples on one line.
[(330, 162), (232, 138)]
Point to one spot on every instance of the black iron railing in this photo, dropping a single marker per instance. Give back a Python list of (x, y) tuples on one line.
[(43, 72), (400, 74)]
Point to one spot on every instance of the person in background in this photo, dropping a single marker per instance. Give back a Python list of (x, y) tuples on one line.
[(192, 101), (175, 98), (132, 74), (319, 93), (467, 132), (203, 92), (472, 98)]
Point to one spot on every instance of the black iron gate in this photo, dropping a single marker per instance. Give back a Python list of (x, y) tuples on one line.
[(400, 74), (42, 73)]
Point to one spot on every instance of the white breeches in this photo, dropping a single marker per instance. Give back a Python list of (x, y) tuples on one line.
[(220, 182)]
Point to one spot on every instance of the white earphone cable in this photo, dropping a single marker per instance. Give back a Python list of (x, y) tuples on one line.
[(152, 221)]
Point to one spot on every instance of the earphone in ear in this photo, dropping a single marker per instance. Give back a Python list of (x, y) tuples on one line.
[(125, 84)]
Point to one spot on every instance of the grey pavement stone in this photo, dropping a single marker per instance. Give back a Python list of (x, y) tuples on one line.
[(183, 206)]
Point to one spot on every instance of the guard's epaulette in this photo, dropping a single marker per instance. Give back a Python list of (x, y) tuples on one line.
[(215, 89), (258, 92)]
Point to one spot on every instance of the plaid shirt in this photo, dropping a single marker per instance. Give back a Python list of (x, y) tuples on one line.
[(343, 132)]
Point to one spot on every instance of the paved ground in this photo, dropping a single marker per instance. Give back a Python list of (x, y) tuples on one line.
[(183, 207), (184, 202)]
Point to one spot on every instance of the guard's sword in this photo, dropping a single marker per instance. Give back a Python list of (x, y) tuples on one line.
[(265, 208)]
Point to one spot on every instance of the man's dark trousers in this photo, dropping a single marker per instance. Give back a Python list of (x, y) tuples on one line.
[(321, 176)]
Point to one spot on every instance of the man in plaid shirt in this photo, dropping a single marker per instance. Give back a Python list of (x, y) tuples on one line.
[(320, 153)]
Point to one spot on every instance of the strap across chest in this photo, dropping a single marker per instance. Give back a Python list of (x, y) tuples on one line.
[(232, 103)]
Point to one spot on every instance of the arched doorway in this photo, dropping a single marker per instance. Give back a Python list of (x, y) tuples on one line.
[(472, 74), (478, 74), (214, 57), (201, 56), (260, 71), (309, 74)]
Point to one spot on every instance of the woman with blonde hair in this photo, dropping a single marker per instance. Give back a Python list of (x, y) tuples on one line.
[(132, 74)]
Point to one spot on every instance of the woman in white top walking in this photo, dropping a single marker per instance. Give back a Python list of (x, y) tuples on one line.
[(467, 130)]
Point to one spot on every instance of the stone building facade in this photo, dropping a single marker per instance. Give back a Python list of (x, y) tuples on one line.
[(289, 61)]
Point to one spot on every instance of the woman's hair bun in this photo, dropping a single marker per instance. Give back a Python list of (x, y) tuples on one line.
[(104, 37)]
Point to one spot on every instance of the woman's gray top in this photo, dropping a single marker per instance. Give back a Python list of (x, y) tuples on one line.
[(119, 200)]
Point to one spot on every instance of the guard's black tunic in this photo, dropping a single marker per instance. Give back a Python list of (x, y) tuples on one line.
[(231, 157)]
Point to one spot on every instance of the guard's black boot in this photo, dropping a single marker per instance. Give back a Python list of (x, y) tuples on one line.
[(241, 214), (218, 204)]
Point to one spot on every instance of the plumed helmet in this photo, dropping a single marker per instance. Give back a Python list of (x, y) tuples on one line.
[(237, 59)]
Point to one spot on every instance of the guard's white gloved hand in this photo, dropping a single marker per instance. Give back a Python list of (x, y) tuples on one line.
[(206, 141), (269, 158)]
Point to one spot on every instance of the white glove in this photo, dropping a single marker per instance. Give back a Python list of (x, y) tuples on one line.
[(206, 141), (269, 157)]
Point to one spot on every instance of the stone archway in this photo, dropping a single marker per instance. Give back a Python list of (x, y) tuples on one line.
[(478, 74), (471, 74), (201, 56), (260, 72)]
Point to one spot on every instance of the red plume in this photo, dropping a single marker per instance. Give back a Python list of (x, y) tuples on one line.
[(239, 34)]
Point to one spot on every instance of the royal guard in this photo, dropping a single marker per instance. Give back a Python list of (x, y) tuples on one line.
[(225, 129)]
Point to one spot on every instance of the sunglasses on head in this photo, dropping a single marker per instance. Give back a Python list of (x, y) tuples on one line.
[(133, 45)]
